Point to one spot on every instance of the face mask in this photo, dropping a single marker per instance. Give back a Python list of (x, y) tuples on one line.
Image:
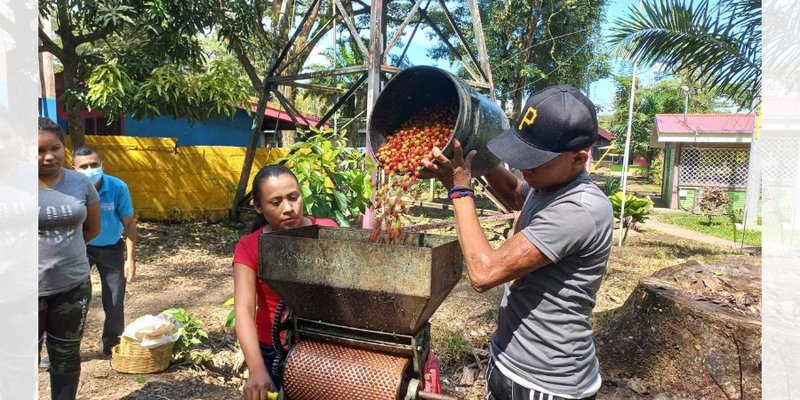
[(94, 174)]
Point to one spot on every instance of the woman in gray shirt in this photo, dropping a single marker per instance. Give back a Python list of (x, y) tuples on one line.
[(69, 217)]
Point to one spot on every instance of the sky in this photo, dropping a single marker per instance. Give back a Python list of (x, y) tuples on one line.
[(601, 92)]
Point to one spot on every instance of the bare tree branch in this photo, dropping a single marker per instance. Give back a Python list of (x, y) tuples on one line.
[(238, 50), (92, 36), (49, 46), (249, 69)]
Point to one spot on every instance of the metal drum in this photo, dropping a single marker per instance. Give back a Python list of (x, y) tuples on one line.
[(327, 371)]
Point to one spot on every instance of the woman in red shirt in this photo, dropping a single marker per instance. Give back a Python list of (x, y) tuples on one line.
[(277, 199)]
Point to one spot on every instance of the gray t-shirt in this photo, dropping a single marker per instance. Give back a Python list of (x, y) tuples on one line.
[(62, 252), (543, 334)]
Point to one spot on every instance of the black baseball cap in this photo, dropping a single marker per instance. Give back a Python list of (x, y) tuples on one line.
[(555, 120)]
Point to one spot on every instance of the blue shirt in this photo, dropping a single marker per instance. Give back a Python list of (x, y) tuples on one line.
[(115, 204)]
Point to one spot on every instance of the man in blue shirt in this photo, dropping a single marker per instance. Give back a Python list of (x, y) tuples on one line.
[(108, 250)]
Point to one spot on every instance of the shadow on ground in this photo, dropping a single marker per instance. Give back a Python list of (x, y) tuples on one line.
[(182, 389)]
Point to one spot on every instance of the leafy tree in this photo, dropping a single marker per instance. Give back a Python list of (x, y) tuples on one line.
[(532, 45), (660, 98), (123, 54), (718, 46), (169, 90)]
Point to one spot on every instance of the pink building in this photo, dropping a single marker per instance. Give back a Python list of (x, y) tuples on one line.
[(703, 150)]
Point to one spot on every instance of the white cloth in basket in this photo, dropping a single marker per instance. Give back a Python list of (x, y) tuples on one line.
[(153, 330)]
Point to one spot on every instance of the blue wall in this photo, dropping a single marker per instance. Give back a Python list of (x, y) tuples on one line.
[(213, 132), (48, 109)]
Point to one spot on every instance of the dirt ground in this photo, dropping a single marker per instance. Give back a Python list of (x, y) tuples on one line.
[(188, 265)]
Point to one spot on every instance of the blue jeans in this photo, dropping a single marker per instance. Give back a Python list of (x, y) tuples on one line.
[(268, 354)]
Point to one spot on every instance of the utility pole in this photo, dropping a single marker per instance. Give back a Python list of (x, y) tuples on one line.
[(685, 90), (626, 154)]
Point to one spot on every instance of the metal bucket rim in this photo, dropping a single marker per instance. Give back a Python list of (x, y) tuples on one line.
[(428, 69)]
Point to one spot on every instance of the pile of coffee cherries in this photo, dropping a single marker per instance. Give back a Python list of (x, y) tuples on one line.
[(405, 149), (401, 160)]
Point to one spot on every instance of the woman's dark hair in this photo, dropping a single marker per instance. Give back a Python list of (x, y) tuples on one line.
[(47, 125), (269, 171)]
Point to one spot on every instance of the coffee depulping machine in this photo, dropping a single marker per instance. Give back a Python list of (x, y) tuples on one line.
[(357, 322)]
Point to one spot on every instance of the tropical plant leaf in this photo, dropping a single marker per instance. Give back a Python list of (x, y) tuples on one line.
[(719, 47)]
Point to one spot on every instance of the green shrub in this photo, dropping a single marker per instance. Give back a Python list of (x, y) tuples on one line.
[(335, 180), (611, 185), (231, 319), (657, 168), (192, 332), (637, 209), (713, 202), (452, 348)]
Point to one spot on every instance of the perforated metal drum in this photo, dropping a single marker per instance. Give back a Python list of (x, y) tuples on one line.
[(326, 371)]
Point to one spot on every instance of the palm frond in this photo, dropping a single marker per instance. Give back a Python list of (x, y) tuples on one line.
[(719, 47), (781, 66)]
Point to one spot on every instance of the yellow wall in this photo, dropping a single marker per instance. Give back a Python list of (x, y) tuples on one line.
[(171, 182)]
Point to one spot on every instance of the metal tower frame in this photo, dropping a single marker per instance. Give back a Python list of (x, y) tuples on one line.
[(375, 70)]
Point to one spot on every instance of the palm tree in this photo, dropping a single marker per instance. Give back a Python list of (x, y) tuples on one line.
[(717, 45)]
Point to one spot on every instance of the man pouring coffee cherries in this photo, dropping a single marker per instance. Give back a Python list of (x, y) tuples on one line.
[(551, 268)]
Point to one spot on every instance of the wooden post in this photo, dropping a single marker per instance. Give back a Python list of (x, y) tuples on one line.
[(255, 129), (477, 28), (449, 46), (403, 25), (374, 58), (352, 27), (247, 166), (449, 17)]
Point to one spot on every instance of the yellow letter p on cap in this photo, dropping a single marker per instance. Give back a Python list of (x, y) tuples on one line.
[(528, 118)]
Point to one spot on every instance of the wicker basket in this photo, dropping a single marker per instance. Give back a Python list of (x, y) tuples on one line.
[(131, 358)]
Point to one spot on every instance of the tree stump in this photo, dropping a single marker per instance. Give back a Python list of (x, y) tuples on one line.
[(690, 331)]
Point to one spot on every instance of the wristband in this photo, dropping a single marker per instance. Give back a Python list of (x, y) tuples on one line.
[(457, 192)]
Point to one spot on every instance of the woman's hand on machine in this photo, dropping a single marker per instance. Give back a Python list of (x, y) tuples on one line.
[(453, 172), (258, 386)]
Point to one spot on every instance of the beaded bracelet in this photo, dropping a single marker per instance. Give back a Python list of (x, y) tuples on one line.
[(457, 192)]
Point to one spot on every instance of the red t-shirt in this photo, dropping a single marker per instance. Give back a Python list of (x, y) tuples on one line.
[(246, 253)]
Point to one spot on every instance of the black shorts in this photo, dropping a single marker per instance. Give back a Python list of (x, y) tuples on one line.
[(499, 387)]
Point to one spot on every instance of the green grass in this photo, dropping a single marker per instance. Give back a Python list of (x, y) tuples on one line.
[(451, 347), (720, 226), (631, 169)]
